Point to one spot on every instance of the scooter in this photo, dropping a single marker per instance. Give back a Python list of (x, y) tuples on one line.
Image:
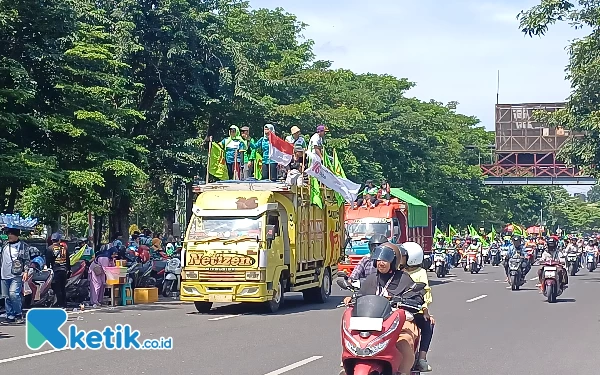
[(37, 289), (495, 256), (78, 286), (473, 263), (515, 272), (550, 283), (371, 326), (572, 263), (440, 260), (591, 261), (172, 277), (486, 255)]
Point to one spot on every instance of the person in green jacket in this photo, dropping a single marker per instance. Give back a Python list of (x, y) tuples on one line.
[(234, 147), (249, 155)]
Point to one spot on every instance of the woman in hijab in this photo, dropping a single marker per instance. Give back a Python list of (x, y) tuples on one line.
[(96, 275), (389, 281), (234, 146)]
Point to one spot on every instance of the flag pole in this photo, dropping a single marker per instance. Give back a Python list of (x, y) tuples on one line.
[(235, 164), (208, 162)]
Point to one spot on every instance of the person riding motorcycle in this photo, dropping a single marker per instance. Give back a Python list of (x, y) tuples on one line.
[(517, 248), (477, 247), (365, 267), (553, 253), (389, 281)]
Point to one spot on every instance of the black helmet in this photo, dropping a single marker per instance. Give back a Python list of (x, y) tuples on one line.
[(82, 240), (516, 238), (386, 254), (551, 243), (376, 240)]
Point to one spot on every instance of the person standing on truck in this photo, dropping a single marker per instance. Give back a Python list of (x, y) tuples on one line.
[(365, 267), (369, 195), (234, 147), (296, 138), (316, 141), (249, 155), (269, 167)]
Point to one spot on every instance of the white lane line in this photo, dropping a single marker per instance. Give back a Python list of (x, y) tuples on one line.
[(477, 298), (37, 354), (295, 365), (224, 317), (535, 278)]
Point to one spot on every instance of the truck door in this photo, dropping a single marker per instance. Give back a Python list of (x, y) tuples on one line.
[(396, 232), (402, 226)]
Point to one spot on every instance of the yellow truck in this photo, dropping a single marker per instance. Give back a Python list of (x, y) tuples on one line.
[(254, 241)]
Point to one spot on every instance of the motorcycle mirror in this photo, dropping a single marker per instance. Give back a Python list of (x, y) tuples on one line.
[(342, 274), (342, 283)]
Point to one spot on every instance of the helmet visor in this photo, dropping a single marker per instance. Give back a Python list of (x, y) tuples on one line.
[(384, 253)]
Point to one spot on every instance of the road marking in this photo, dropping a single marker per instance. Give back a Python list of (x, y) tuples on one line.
[(224, 317), (30, 355), (295, 365), (535, 278), (477, 298)]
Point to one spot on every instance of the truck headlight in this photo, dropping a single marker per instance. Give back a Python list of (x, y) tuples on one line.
[(254, 275), (190, 275)]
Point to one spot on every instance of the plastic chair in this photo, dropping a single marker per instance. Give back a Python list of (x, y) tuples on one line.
[(124, 295)]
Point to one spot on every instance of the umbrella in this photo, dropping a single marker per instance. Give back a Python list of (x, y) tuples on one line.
[(534, 230)]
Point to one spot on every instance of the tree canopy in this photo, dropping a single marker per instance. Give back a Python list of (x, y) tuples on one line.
[(106, 105)]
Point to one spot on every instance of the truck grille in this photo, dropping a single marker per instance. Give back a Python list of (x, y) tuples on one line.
[(355, 260), (221, 276)]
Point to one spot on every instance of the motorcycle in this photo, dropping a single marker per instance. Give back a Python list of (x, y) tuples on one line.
[(495, 256), (473, 263), (591, 261), (516, 276), (37, 289), (371, 326), (550, 283), (540, 250), (530, 254), (486, 255), (78, 286), (572, 263), (453, 255), (172, 277)]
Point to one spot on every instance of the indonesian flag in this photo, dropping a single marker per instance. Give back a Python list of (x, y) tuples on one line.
[(280, 151)]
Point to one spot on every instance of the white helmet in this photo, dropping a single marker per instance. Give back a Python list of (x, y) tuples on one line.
[(414, 252)]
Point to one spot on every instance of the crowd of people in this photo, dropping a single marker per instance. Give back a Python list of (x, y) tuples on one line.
[(18, 262), (241, 151)]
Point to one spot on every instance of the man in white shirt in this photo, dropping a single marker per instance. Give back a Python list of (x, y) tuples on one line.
[(316, 141), (14, 270)]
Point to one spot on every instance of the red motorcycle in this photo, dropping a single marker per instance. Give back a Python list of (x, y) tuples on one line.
[(530, 254), (371, 326), (551, 283)]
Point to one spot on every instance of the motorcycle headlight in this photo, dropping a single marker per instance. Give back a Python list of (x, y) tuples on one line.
[(374, 349), (351, 347)]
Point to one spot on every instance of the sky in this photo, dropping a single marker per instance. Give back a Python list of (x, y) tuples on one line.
[(451, 49)]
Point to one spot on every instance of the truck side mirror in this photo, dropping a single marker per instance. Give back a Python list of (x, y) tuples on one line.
[(270, 232), (396, 230)]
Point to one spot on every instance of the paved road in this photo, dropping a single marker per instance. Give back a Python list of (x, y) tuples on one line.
[(498, 332)]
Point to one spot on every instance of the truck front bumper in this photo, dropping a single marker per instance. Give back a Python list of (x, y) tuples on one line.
[(225, 292)]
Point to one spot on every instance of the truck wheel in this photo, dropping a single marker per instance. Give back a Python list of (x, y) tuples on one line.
[(203, 307), (276, 301), (319, 294)]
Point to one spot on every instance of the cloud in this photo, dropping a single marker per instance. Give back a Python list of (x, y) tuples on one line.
[(451, 49)]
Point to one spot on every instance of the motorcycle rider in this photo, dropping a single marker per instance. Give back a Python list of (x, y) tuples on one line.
[(59, 260), (389, 281), (477, 247), (423, 320), (517, 248), (366, 267), (553, 253), (572, 247)]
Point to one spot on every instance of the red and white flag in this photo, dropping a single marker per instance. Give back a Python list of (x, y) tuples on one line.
[(280, 151)]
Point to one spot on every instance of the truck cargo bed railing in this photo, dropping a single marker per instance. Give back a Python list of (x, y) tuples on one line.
[(246, 185)]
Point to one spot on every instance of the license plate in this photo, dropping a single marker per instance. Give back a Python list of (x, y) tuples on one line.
[(549, 268), (365, 324), (220, 298), (572, 258), (439, 257), (550, 274)]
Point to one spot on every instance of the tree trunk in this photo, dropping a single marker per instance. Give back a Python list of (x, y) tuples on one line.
[(98, 224), (119, 217), (189, 204), (12, 199), (2, 197)]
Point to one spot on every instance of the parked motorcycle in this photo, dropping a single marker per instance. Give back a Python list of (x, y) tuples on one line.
[(572, 263), (550, 282), (78, 286), (172, 277), (371, 327), (516, 275), (139, 275), (37, 289)]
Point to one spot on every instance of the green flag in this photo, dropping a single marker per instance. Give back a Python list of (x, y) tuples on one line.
[(315, 193), (337, 170), (438, 232), (258, 166), (216, 162), (451, 231), (472, 231)]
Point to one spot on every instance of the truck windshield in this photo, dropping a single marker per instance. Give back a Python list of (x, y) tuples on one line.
[(224, 227), (358, 229)]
